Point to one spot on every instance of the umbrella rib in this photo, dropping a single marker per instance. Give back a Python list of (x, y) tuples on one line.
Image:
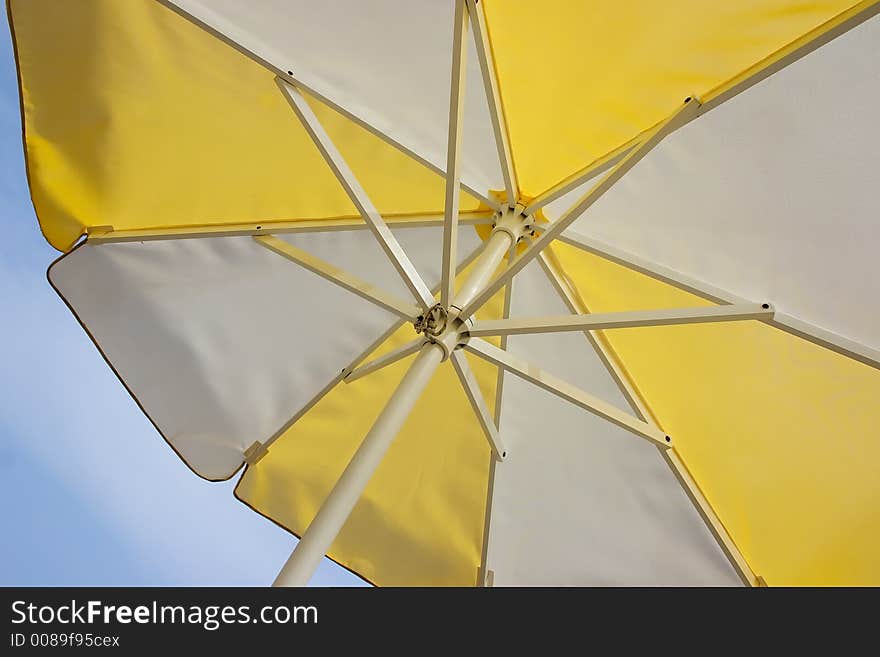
[(596, 168), (108, 235), (639, 405), (651, 269), (217, 31), (567, 391), (384, 361), (806, 44), (453, 153), (357, 194), (818, 336), (340, 277), (688, 108), (475, 397), (629, 319), (493, 97)]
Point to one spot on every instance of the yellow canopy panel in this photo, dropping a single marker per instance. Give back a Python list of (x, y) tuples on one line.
[(135, 118), (780, 434), (580, 78)]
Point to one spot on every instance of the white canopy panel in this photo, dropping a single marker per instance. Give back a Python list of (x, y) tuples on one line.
[(579, 501), (771, 196), (220, 340)]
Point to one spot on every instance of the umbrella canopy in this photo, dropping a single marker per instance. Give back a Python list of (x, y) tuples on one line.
[(596, 307)]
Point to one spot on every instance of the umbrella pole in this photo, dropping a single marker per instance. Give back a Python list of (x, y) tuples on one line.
[(339, 503), (327, 523)]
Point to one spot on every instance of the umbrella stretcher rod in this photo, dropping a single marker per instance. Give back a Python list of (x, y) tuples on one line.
[(566, 391), (475, 397), (485, 577), (347, 281), (633, 396), (384, 361), (357, 194), (442, 341), (602, 321), (493, 96), (453, 155), (468, 13)]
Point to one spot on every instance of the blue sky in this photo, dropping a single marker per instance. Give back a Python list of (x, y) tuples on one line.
[(89, 492)]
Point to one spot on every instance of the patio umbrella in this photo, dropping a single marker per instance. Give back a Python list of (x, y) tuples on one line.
[(485, 292)]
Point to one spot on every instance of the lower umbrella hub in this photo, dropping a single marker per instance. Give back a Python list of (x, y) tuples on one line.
[(432, 322)]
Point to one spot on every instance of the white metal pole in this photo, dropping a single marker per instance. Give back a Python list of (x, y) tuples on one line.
[(496, 248), (327, 523), (624, 319), (333, 513)]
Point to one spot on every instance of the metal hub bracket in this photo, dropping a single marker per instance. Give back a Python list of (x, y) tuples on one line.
[(432, 322), (455, 336), (514, 222)]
